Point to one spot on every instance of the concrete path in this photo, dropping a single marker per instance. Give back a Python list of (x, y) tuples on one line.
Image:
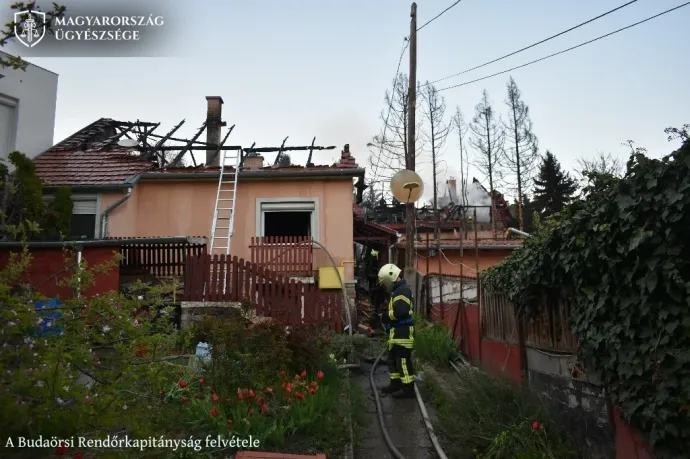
[(403, 421)]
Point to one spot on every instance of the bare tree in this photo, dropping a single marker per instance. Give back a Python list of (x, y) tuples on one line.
[(602, 163), (461, 127), (488, 140), (522, 157), (436, 135), (390, 144)]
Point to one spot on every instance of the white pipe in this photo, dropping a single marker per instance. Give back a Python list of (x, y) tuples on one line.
[(346, 301), (429, 427), (521, 233)]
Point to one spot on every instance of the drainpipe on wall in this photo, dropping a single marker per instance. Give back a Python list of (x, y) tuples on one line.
[(106, 212), (79, 248)]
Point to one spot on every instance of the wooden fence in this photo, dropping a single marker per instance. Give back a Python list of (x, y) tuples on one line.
[(229, 279), (164, 259), (287, 255), (548, 330)]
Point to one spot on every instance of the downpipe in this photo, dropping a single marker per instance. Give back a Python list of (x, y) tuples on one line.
[(109, 209)]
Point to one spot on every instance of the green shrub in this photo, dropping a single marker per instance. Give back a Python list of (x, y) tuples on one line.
[(435, 345)]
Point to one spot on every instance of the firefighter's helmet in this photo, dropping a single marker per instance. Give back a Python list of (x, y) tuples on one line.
[(388, 275)]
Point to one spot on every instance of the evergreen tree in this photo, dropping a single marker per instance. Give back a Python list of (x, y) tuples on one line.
[(553, 187)]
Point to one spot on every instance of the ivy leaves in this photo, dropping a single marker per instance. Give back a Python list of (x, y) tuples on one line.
[(622, 258)]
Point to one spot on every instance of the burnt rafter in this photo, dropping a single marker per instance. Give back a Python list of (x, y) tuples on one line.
[(280, 152)]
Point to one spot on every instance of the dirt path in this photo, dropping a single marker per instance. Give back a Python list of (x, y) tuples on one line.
[(403, 421)]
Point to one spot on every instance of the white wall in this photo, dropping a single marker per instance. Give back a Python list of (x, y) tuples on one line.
[(33, 94), (451, 289)]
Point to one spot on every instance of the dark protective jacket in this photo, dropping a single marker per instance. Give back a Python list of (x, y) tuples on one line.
[(399, 320)]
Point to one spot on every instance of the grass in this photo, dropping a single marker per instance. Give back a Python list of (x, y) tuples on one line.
[(433, 344), (488, 417)]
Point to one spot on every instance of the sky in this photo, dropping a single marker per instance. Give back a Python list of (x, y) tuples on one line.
[(309, 68)]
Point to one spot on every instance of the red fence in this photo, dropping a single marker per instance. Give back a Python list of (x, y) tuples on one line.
[(224, 279), (163, 259), (287, 255)]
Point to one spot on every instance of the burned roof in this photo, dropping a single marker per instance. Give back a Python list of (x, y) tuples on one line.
[(94, 157)]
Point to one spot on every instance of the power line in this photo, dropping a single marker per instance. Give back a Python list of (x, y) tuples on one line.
[(566, 50), (439, 15), (390, 107), (537, 43)]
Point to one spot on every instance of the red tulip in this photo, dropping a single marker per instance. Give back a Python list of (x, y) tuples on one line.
[(61, 450), (245, 391), (312, 391), (304, 373), (202, 381), (296, 377), (264, 408), (184, 399), (269, 390), (252, 395), (320, 374), (282, 374), (214, 412), (288, 387), (260, 400), (78, 456), (239, 395), (286, 397), (251, 410), (299, 395), (535, 425), (229, 421), (215, 398), (182, 384)]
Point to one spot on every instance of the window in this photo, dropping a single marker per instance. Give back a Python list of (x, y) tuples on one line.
[(84, 221), (8, 124), (287, 217)]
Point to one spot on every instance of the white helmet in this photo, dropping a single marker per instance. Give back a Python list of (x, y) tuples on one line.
[(388, 275)]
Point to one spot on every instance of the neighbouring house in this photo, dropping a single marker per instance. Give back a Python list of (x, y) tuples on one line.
[(27, 109), (120, 193)]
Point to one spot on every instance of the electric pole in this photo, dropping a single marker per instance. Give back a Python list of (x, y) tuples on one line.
[(410, 217)]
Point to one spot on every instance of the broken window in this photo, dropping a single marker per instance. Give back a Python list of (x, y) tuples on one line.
[(296, 217)]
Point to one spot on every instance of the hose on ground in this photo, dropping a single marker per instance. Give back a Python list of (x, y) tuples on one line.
[(386, 437), (429, 427)]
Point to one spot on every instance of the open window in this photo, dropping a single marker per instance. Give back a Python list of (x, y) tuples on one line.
[(291, 217), (84, 220)]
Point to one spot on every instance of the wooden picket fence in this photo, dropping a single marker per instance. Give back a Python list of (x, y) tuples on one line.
[(217, 278), (287, 255), (548, 330), (164, 259)]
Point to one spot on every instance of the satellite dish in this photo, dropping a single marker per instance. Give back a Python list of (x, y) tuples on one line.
[(407, 186), (128, 143)]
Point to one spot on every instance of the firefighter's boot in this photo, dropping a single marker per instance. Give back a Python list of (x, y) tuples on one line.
[(407, 391), (394, 386)]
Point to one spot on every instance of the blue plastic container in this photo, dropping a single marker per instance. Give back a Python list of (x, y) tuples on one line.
[(50, 316)]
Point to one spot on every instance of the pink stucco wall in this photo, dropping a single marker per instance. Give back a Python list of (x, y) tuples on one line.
[(185, 208)]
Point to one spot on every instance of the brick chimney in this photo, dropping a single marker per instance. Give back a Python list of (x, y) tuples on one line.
[(452, 187), (346, 159), (213, 124), (253, 161)]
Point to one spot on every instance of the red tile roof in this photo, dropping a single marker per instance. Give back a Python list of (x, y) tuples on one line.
[(109, 167)]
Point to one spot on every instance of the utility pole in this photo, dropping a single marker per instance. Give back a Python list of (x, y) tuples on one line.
[(410, 217)]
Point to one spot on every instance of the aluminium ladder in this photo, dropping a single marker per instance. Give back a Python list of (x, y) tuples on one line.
[(223, 225)]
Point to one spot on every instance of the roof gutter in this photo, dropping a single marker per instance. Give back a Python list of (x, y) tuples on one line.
[(102, 242), (113, 206), (111, 187), (256, 174), (472, 246)]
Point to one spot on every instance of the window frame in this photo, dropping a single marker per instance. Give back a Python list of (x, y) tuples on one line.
[(287, 205), (83, 198)]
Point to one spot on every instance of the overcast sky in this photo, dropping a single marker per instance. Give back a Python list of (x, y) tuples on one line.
[(307, 68)]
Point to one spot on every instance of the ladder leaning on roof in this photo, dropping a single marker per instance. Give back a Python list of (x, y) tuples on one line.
[(223, 225)]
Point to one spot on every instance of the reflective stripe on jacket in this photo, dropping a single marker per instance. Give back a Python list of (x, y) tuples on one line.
[(400, 321)]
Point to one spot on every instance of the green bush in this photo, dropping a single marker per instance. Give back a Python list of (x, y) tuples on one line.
[(434, 344), (490, 417), (98, 371)]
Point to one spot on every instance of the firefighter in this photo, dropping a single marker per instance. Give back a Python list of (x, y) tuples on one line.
[(400, 326)]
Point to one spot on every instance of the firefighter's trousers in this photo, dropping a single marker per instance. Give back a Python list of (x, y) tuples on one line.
[(400, 365)]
